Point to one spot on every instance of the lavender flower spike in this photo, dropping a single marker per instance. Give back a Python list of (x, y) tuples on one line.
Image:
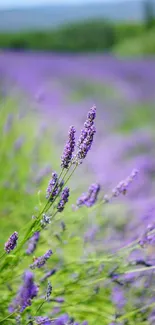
[(40, 320), (86, 144), (148, 237), (40, 261), (27, 292), (32, 243), (69, 148), (52, 189), (48, 274), (90, 198), (87, 135), (63, 200), (122, 187), (87, 125), (11, 243)]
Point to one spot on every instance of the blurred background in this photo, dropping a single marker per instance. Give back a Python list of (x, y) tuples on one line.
[(59, 58)]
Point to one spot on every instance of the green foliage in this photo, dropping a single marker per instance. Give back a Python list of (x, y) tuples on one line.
[(87, 36), (143, 45), (149, 14), (77, 37)]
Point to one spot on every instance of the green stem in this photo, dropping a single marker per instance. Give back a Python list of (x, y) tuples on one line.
[(1, 321), (40, 306), (143, 269)]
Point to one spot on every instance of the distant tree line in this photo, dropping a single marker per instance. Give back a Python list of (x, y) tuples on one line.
[(87, 36)]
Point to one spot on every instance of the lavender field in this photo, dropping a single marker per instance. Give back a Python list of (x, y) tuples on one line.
[(103, 244)]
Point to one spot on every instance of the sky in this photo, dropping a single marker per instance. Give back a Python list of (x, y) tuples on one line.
[(24, 3)]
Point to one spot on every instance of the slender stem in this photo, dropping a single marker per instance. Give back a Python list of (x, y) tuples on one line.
[(70, 174), (40, 306), (143, 269), (1, 321)]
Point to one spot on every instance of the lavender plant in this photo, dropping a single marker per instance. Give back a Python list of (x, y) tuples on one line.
[(85, 283)]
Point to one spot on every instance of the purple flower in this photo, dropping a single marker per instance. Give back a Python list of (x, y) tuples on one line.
[(40, 261), (118, 297), (87, 134), (40, 320), (62, 320), (32, 243), (87, 125), (63, 200), (11, 243), (93, 190), (85, 146), (90, 198), (148, 237), (27, 292), (48, 274), (52, 189), (122, 187), (69, 148)]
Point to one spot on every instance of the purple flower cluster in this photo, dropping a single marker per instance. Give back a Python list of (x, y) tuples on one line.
[(52, 189), (11, 243), (148, 237), (40, 261), (27, 292), (89, 198), (41, 320), (62, 320), (63, 200), (69, 148), (122, 187), (87, 135), (48, 274), (33, 243), (118, 297)]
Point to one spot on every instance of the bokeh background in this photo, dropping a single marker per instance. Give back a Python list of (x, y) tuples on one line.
[(56, 61)]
